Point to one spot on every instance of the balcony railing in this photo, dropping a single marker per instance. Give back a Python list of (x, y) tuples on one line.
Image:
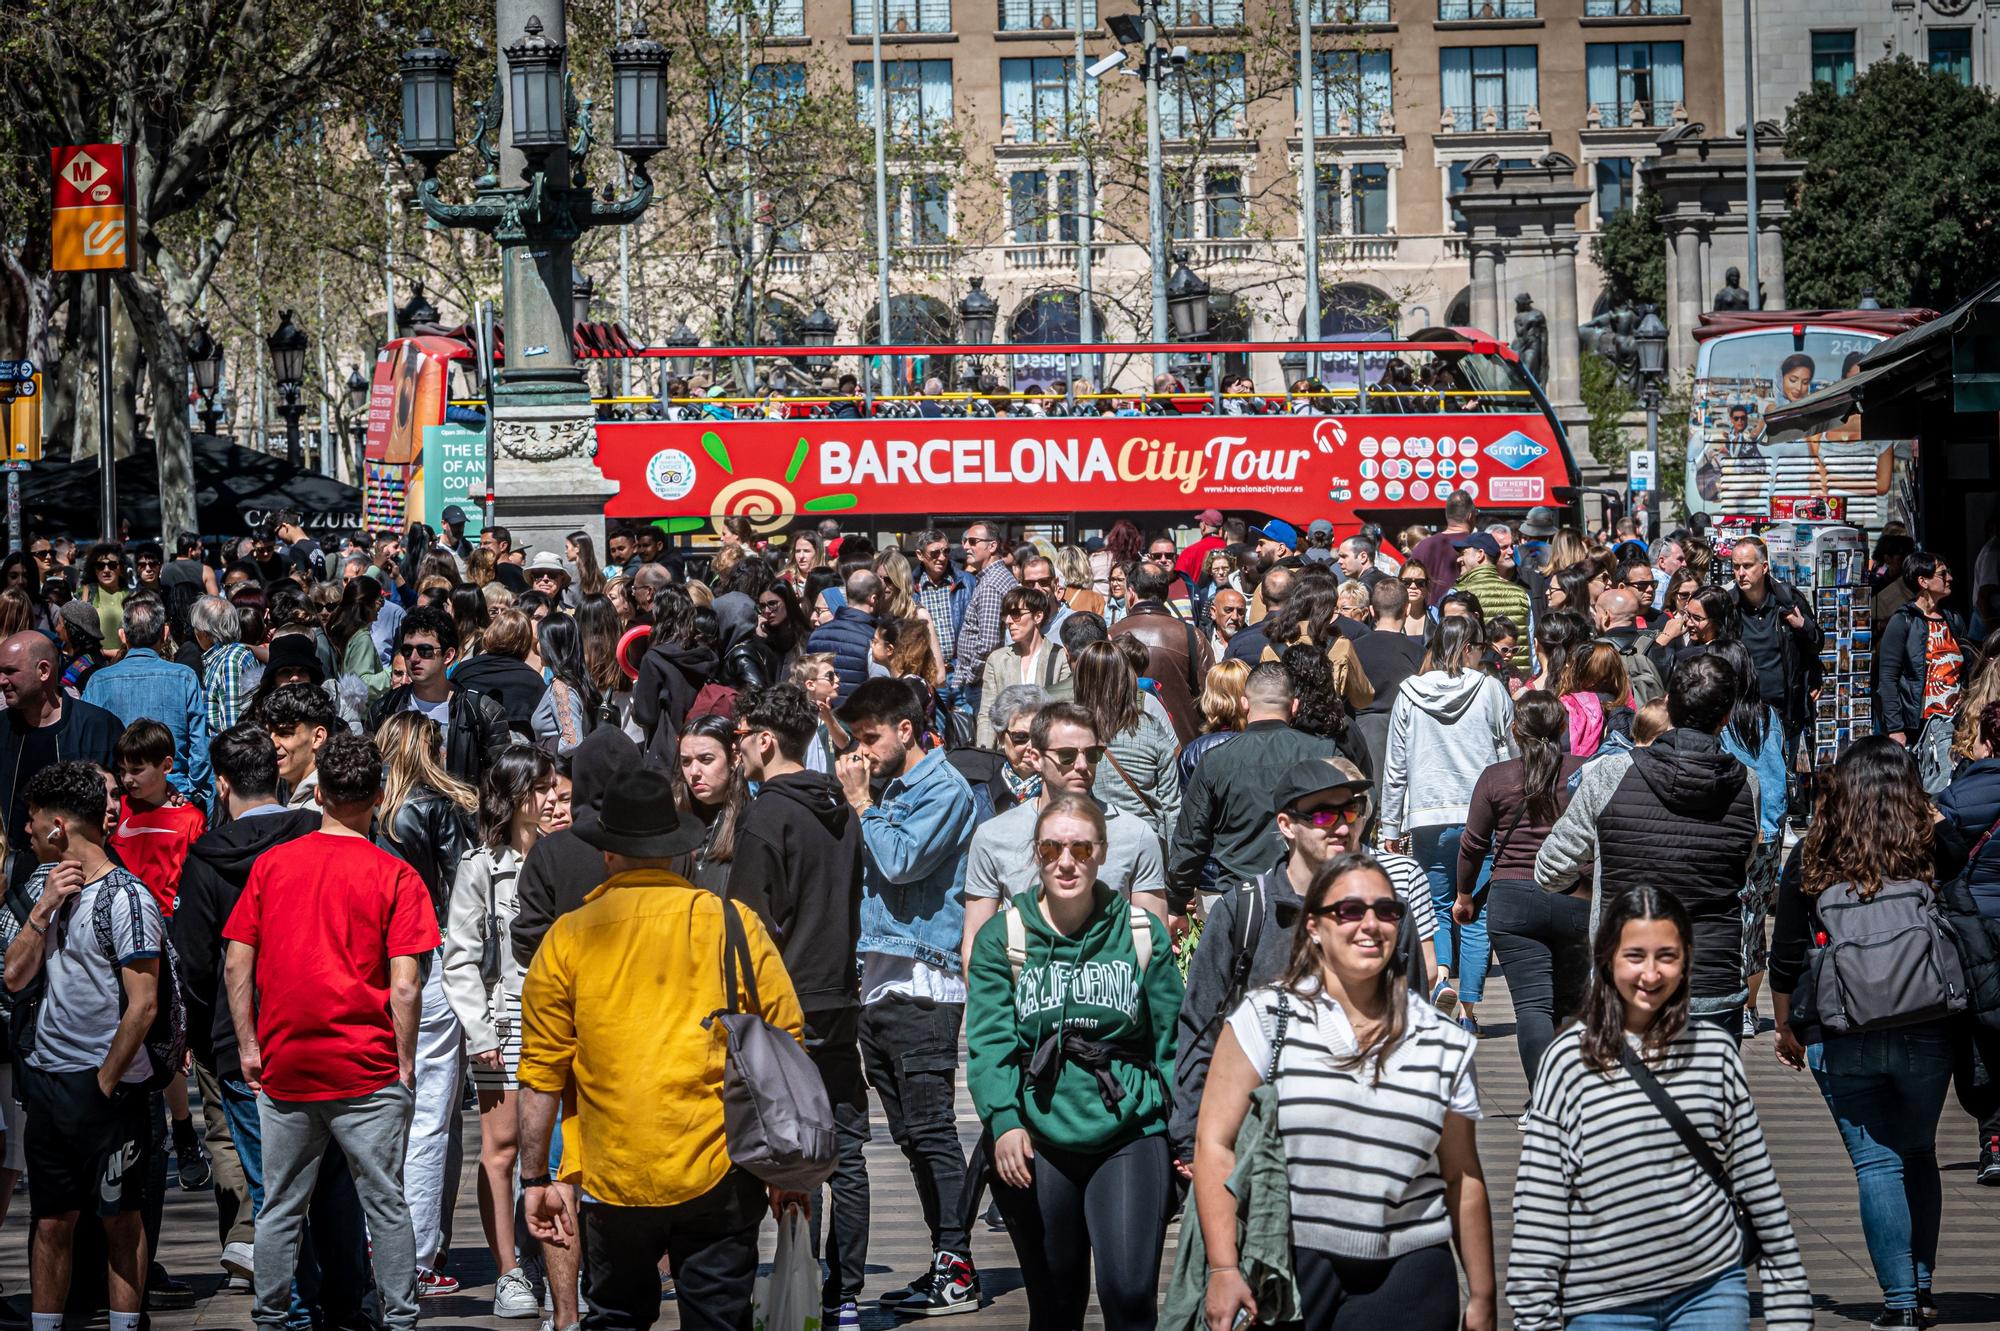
[(903, 16), (1487, 119), (1046, 15), (1349, 11), (1468, 11), (1203, 13), (1618, 115), (1631, 8)]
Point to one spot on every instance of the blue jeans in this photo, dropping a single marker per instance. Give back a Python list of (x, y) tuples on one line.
[(1886, 1090), (1719, 1304), (338, 1260), (1462, 949)]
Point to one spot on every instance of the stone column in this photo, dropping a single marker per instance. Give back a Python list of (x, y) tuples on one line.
[(1486, 290), (1565, 375), (1686, 299), (1771, 258)]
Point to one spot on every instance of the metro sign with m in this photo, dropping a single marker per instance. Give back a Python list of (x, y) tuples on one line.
[(92, 217)]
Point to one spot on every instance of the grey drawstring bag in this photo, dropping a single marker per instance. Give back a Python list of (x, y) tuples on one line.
[(776, 1117)]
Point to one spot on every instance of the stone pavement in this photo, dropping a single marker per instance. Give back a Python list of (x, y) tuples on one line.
[(1813, 1168)]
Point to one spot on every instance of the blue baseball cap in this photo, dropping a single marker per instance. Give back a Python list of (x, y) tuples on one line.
[(1284, 533)]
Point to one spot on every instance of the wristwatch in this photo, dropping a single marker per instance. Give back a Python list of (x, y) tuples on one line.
[(538, 1181)]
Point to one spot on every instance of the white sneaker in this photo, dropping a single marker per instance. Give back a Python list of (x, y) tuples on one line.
[(513, 1296), (240, 1259)]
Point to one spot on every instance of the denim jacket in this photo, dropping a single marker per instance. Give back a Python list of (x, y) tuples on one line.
[(913, 843), (144, 685)]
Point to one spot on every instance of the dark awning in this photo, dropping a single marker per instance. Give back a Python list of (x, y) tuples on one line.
[(236, 490)]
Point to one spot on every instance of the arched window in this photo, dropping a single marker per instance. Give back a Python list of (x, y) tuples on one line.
[(1053, 317)]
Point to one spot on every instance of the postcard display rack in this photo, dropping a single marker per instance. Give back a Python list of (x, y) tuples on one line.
[(1828, 563)]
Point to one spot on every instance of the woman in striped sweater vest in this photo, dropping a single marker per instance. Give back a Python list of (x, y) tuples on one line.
[(1618, 1224), (1376, 1105)]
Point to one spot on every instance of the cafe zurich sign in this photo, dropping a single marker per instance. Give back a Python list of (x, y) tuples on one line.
[(774, 472)]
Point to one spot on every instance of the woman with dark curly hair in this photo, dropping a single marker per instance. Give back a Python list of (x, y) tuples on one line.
[(1871, 841)]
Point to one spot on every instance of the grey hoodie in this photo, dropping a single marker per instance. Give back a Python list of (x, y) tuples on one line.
[(1444, 730)]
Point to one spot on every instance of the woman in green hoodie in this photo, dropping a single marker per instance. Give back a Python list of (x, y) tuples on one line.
[(1073, 996)]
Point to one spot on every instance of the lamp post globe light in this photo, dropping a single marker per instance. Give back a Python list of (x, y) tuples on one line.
[(1187, 301), (205, 358), (817, 331), (534, 198), (1650, 341), (287, 345), (416, 312), (581, 290), (683, 340)]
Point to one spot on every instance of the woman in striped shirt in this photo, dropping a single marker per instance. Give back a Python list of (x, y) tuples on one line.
[(1617, 1225), (1376, 1105)]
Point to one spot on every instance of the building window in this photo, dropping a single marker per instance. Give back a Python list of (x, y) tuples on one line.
[(1633, 82), (1467, 11), (1042, 206), (1353, 200), (1046, 15), (768, 18), (930, 210), (1203, 13), (1038, 95), (1631, 8), (919, 96), (1833, 60), (1614, 186), (1951, 52), (1478, 79), (1204, 99), (1353, 86), (899, 16), (1225, 205), (1344, 12), (1371, 199), (773, 97)]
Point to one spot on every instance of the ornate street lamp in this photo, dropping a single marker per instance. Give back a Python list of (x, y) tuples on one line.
[(1650, 340), (358, 391), (1293, 366), (287, 345), (535, 91), (639, 94), (581, 289), (1187, 301), (416, 312), (817, 331), (683, 341), (430, 129), (205, 358), (977, 314)]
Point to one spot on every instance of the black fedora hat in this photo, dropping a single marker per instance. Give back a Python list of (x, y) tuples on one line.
[(639, 819), (296, 651)]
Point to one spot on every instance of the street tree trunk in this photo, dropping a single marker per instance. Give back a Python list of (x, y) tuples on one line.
[(165, 329)]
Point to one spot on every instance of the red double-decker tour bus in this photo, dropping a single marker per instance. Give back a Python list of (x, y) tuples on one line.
[(1365, 430)]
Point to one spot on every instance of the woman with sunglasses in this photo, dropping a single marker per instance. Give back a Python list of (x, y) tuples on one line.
[(1617, 1225), (1707, 617), (104, 590), (1376, 1104), (1418, 621), (1072, 1000), (1027, 657)]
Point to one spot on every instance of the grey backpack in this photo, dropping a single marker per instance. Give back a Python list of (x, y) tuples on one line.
[(1882, 961), (776, 1116)]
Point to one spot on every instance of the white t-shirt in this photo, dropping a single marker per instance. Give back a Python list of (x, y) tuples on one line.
[(439, 712), (1001, 860)]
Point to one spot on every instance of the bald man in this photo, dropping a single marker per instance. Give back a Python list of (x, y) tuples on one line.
[(1617, 611), (44, 725), (1226, 613), (1272, 592)]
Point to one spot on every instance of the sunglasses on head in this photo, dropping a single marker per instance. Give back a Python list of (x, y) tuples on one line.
[(1066, 756), (1083, 852), (1349, 910)]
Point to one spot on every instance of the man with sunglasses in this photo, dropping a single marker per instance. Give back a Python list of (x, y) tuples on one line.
[(1001, 862), (980, 632), (474, 725), (1321, 810)]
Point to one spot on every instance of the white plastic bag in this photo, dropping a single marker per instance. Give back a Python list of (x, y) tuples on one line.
[(788, 1298)]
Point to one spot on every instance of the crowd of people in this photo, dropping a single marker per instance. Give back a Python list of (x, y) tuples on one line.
[(1202, 853)]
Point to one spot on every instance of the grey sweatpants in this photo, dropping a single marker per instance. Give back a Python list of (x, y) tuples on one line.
[(372, 1129)]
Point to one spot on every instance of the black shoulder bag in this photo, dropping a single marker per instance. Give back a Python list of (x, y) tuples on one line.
[(1697, 1146)]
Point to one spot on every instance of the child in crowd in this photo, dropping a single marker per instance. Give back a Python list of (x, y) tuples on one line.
[(156, 826), (1650, 722)]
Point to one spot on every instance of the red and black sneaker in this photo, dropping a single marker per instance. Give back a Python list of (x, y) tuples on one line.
[(953, 1288)]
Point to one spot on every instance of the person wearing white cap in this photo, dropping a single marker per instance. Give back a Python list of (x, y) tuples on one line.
[(548, 575)]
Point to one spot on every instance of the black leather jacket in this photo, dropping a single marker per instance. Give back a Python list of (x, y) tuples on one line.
[(476, 735), (431, 835), (749, 664)]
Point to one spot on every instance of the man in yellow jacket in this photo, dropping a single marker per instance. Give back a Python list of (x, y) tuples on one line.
[(614, 1005)]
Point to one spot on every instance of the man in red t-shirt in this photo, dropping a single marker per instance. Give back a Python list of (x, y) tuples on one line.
[(324, 990), (1188, 565)]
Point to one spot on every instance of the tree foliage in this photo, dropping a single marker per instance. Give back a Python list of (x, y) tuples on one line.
[(1630, 249), (1901, 190)]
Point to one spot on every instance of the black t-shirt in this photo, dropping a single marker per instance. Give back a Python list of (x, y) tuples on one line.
[(304, 556), (275, 569), (1387, 659), (38, 750), (182, 571)]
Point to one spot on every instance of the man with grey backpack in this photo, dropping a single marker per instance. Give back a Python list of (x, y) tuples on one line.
[(644, 1000)]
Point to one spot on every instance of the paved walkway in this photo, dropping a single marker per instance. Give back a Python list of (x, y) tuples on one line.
[(1811, 1165)]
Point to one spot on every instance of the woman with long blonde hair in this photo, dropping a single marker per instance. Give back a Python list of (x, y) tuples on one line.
[(1224, 712), (427, 819), (899, 586)]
